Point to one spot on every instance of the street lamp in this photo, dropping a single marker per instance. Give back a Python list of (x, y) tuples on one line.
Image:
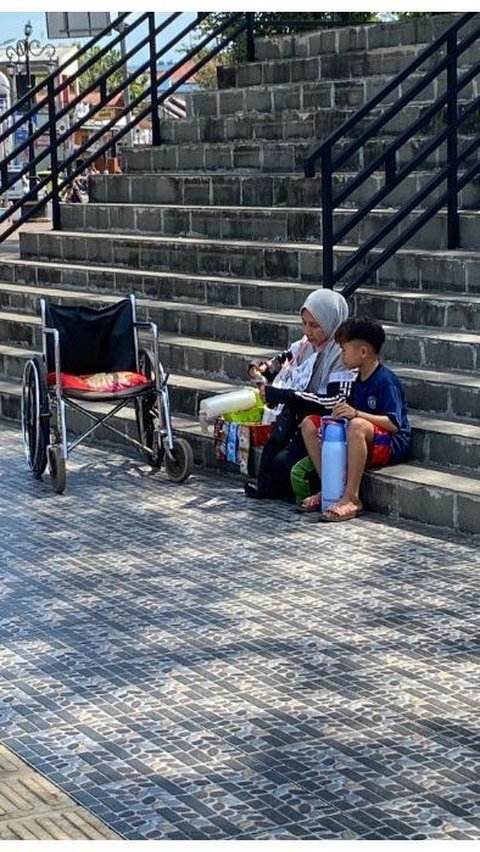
[(18, 55)]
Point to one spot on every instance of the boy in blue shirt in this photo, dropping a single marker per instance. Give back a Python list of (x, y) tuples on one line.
[(378, 431)]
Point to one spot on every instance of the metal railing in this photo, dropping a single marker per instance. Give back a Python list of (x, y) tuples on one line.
[(353, 139), (62, 122)]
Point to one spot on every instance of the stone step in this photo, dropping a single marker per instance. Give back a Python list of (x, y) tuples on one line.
[(356, 64), (446, 393), (219, 343), (299, 124), (455, 271), (429, 495), (413, 346), (438, 310), (282, 224), (184, 426), (20, 322), (261, 190), (205, 289), (273, 157), (435, 439), (426, 494), (413, 31), (186, 392), (319, 94)]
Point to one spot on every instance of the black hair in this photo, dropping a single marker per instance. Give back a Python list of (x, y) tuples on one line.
[(361, 328)]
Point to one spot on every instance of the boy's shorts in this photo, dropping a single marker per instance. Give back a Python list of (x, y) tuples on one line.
[(379, 451)]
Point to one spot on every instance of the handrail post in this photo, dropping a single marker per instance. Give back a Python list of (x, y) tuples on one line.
[(327, 219), (250, 20), (453, 228), (52, 129), (155, 118)]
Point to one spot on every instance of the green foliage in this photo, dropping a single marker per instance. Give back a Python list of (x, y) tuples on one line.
[(103, 65), (285, 23), (277, 23), (206, 77)]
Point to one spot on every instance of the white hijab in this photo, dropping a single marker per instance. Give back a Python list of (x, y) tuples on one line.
[(330, 309)]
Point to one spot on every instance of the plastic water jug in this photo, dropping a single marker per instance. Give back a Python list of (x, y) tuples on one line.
[(334, 460), (223, 403)]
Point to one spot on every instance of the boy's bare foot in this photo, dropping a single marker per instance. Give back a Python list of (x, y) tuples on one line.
[(310, 504)]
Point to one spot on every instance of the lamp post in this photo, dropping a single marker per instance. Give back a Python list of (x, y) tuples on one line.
[(18, 55)]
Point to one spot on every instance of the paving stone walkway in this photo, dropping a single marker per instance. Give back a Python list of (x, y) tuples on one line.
[(31, 808), (185, 664)]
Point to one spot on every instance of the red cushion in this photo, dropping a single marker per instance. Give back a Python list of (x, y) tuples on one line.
[(99, 382)]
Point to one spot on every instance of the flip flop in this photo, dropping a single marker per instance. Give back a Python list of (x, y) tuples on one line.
[(333, 517)]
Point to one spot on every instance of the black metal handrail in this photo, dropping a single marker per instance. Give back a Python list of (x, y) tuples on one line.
[(361, 264), (63, 169)]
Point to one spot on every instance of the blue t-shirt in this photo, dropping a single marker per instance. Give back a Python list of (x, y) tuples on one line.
[(382, 393)]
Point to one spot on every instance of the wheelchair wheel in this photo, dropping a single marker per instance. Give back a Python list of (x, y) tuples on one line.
[(35, 416), (57, 469), (179, 464), (145, 408)]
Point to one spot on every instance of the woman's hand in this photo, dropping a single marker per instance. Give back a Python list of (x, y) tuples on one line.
[(342, 409)]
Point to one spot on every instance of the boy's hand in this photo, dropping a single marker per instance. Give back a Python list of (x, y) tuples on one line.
[(342, 409), (256, 371), (261, 390)]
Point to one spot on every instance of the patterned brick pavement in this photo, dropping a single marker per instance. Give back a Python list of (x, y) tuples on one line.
[(31, 808), (187, 664)]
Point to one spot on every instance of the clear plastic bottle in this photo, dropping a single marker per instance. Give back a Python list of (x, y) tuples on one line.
[(223, 403)]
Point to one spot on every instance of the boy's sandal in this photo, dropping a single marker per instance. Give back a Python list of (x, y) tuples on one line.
[(341, 513), (310, 504)]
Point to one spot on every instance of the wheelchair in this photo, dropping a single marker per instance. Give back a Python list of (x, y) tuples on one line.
[(93, 355)]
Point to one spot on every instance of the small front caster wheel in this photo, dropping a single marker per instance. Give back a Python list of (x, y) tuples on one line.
[(179, 463)]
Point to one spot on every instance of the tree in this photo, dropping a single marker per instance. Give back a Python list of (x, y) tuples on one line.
[(116, 79), (284, 23)]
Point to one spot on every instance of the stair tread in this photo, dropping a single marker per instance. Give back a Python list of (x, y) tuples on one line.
[(184, 380), (249, 143), (94, 296), (468, 381), (380, 78), (253, 209), (419, 420), (411, 295), (432, 476), (152, 273), (227, 173), (422, 295), (450, 254), (431, 295), (408, 472), (412, 331)]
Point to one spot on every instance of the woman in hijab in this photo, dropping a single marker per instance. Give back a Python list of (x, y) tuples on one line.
[(312, 368)]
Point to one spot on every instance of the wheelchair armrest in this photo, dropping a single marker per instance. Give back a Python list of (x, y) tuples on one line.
[(56, 344), (151, 325), (154, 332)]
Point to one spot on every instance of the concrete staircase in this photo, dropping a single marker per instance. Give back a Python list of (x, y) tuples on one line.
[(219, 234)]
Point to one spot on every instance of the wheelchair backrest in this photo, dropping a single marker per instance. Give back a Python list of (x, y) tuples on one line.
[(92, 340)]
